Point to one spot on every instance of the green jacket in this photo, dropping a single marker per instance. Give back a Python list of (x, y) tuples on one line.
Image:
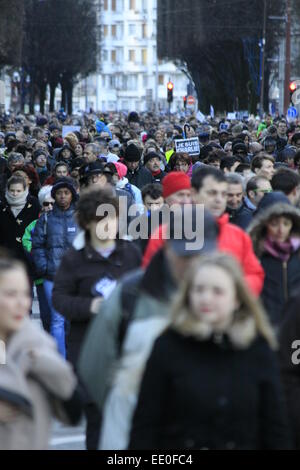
[(27, 244)]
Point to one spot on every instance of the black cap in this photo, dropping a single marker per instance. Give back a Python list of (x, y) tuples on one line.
[(132, 153), (192, 231), (150, 156)]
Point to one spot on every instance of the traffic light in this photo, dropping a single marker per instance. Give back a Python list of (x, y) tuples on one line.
[(184, 101), (293, 88), (170, 87)]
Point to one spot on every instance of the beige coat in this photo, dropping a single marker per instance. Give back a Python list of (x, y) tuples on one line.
[(35, 379)]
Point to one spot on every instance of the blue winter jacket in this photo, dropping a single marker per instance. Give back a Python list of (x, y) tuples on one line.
[(53, 235)]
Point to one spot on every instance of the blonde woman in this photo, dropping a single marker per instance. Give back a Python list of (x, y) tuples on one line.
[(212, 380)]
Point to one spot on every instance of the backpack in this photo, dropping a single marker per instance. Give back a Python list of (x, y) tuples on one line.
[(129, 296)]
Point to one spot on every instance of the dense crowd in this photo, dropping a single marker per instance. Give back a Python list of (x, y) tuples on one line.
[(159, 345)]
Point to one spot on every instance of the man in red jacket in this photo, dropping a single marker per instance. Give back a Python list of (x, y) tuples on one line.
[(209, 187)]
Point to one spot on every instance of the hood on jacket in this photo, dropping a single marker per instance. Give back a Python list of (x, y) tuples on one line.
[(270, 199), (257, 229)]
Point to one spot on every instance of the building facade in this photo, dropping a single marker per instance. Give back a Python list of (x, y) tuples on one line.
[(130, 77)]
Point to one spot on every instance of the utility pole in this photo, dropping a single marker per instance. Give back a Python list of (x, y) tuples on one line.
[(287, 57), (263, 59)]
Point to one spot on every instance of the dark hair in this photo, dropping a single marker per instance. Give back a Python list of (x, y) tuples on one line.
[(90, 200), (32, 175), (242, 167), (205, 151), (8, 262), (154, 190), (16, 180), (252, 184), (257, 161), (297, 158), (285, 180), (204, 172), (213, 158), (228, 162), (182, 157), (295, 137)]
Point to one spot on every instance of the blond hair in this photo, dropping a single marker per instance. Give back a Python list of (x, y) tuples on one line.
[(248, 321)]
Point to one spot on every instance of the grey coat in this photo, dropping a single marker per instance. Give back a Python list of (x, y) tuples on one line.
[(35, 380)]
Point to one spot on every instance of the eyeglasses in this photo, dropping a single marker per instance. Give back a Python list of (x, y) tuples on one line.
[(264, 191), (47, 204)]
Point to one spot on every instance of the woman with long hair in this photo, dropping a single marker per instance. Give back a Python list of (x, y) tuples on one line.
[(212, 380)]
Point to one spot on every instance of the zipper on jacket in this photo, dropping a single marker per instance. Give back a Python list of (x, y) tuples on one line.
[(285, 281)]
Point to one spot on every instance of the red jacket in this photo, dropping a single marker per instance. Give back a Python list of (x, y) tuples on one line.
[(231, 240)]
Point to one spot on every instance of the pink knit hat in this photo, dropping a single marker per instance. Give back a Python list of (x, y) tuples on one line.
[(121, 169)]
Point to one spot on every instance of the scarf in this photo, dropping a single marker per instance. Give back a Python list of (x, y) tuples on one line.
[(156, 173), (282, 250), (16, 203)]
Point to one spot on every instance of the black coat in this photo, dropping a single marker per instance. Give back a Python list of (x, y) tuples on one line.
[(158, 178), (241, 217), (280, 282), (290, 361), (140, 177), (76, 281), (12, 228), (203, 395)]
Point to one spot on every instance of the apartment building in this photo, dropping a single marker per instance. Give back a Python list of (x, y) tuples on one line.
[(129, 76)]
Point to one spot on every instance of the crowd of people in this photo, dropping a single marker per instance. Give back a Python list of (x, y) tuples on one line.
[(159, 345)]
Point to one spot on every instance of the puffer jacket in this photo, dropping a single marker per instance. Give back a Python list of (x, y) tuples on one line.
[(231, 240), (282, 278), (53, 235)]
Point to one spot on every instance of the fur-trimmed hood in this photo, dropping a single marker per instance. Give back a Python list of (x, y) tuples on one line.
[(257, 229)]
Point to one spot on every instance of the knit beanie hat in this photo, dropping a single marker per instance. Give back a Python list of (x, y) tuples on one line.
[(37, 153), (121, 169), (64, 183), (132, 153), (174, 182), (150, 156), (133, 117)]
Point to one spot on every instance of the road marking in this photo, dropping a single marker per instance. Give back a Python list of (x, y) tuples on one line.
[(57, 441)]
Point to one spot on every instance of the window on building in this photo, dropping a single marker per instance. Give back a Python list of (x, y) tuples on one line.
[(144, 31), (113, 57), (105, 6), (120, 6), (161, 79), (114, 31), (132, 4), (113, 5), (132, 30), (144, 56), (105, 56), (132, 82), (132, 55), (105, 30), (145, 81)]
